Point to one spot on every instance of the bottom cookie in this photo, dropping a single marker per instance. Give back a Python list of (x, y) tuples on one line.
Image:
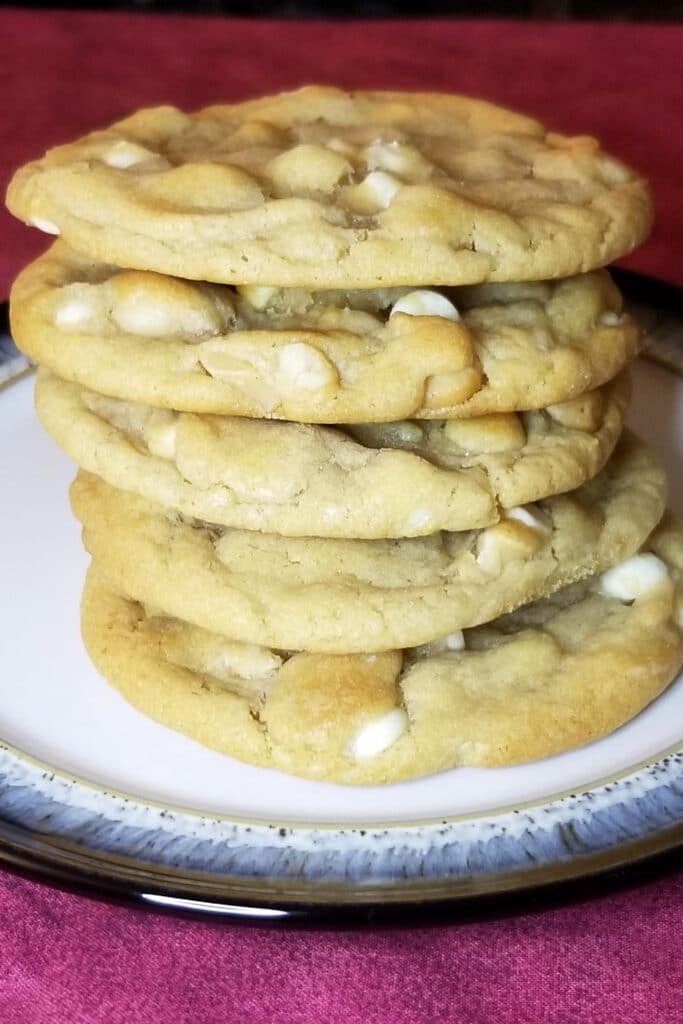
[(551, 676)]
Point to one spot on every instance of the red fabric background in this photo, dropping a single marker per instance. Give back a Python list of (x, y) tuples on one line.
[(68, 960), (64, 958)]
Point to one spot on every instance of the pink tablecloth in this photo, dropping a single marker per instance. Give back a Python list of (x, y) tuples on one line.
[(64, 958)]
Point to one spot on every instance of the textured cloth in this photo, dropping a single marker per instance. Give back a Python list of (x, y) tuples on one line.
[(68, 958)]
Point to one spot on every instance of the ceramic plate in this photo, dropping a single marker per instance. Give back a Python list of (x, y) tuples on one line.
[(95, 795)]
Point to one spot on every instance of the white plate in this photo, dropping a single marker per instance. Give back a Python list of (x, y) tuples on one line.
[(56, 709)]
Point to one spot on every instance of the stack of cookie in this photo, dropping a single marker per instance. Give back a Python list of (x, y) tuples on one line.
[(347, 385)]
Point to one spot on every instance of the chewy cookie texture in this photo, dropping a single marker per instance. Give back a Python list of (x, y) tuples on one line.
[(600, 651), (321, 357), (296, 479), (346, 378), (322, 188), (320, 594)]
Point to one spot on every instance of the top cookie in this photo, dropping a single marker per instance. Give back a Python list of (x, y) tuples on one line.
[(320, 188)]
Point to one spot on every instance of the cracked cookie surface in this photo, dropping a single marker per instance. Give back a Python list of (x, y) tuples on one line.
[(402, 479), (553, 675), (322, 188), (329, 357), (367, 595)]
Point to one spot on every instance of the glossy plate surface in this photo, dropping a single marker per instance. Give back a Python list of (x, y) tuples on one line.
[(94, 794)]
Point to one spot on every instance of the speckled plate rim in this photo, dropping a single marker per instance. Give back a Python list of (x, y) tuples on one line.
[(74, 833)]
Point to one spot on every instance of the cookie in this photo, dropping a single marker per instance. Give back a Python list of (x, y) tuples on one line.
[(343, 596), (549, 677), (333, 357), (401, 479), (321, 188)]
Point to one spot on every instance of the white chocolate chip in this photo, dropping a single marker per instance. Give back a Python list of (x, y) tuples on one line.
[(305, 368), (379, 735), (382, 187), (424, 302), (160, 433), (384, 156), (371, 195), (455, 641), (397, 158), (531, 516), (151, 320), (636, 577), (420, 520), (488, 553), (611, 319), (307, 168), (497, 432), (340, 146), (258, 296), (155, 306), (519, 534), (74, 312), (125, 154), (245, 660), (45, 225)]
